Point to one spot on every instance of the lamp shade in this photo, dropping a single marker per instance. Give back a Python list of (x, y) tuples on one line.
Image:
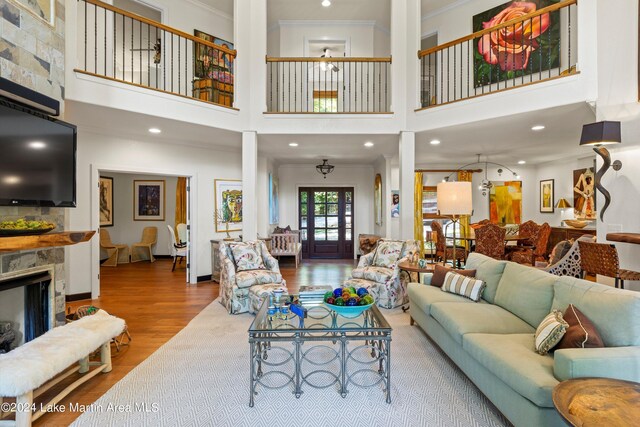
[(601, 133), (563, 204), (454, 198)]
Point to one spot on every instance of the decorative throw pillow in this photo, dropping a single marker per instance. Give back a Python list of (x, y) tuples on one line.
[(559, 251), (440, 271), (468, 287), (387, 253), (550, 332), (247, 256), (581, 332)]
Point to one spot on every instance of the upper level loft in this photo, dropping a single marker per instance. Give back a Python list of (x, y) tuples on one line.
[(310, 68)]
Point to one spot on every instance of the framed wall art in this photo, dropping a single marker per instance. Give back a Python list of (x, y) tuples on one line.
[(395, 204), (547, 196), (43, 9), (377, 199), (106, 201), (274, 203), (505, 202), (228, 205), (148, 200), (584, 196), (537, 43)]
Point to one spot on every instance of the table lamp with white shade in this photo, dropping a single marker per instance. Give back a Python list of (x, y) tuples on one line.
[(454, 200)]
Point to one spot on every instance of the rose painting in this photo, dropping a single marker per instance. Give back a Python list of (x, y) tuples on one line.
[(523, 49)]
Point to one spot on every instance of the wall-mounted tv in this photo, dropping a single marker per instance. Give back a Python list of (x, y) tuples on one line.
[(37, 159)]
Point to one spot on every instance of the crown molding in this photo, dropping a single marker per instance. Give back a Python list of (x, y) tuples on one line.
[(444, 9), (211, 9), (322, 23)]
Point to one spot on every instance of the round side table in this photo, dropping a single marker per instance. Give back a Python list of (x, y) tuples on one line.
[(598, 402)]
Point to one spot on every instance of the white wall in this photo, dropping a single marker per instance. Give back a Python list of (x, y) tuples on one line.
[(189, 15), (109, 153), (294, 36), (618, 88), (127, 231), (266, 166), (561, 172), (358, 176)]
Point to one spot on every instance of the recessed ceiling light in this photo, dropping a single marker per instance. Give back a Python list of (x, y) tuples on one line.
[(369, 144), (537, 127), (326, 3), (37, 145), (435, 142), (522, 162), (293, 144), (155, 130)]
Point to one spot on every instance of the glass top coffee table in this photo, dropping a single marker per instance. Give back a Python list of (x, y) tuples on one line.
[(323, 350)]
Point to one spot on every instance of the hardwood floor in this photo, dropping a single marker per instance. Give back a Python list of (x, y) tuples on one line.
[(156, 304)]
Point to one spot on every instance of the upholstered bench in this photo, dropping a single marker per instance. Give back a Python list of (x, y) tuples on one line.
[(31, 369)]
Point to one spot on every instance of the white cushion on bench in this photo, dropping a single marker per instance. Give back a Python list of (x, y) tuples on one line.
[(36, 362)]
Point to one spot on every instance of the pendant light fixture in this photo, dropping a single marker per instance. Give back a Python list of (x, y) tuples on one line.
[(325, 168)]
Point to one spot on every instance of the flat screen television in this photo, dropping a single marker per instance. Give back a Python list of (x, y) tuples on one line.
[(37, 159)]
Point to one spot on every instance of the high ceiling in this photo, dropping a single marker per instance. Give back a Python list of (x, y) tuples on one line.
[(340, 149), (225, 6), (360, 10), (430, 6), (136, 126), (510, 139)]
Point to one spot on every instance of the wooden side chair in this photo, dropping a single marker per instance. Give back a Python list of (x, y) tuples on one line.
[(116, 253), (149, 238), (490, 241), (530, 254), (602, 259), (177, 251)]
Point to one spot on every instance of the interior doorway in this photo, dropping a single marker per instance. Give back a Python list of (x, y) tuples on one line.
[(145, 207), (326, 222)]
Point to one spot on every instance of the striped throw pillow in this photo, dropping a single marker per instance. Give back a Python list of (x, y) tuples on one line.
[(550, 332), (469, 287)]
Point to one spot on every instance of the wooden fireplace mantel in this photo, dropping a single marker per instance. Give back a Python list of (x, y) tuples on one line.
[(48, 240)]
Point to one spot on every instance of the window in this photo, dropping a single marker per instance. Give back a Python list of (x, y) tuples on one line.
[(325, 101)]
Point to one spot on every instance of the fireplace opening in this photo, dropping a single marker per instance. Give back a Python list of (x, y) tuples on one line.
[(25, 309)]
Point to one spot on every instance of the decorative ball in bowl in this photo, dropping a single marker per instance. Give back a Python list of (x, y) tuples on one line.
[(348, 302), (576, 223)]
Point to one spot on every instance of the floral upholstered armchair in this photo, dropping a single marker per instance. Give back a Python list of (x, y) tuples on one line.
[(379, 273), (248, 275)]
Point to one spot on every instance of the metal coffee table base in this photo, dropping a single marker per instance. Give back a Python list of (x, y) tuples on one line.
[(369, 352)]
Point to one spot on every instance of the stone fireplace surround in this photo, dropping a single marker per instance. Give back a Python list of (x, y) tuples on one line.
[(46, 259)]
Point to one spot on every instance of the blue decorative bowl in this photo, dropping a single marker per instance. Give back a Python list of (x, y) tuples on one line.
[(349, 311)]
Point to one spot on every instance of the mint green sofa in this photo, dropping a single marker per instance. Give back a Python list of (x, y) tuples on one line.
[(492, 340)]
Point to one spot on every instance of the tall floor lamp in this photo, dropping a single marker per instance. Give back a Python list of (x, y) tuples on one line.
[(454, 200)]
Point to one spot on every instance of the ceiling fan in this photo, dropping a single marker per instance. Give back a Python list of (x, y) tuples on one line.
[(328, 65)]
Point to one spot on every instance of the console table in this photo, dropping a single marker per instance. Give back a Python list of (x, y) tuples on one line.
[(559, 234)]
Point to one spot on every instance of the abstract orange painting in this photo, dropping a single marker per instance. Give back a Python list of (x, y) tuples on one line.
[(505, 202)]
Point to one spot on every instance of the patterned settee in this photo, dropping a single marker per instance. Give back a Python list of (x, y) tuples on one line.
[(379, 273), (248, 275)]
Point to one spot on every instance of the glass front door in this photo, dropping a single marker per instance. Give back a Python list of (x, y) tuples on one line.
[(326, 222)]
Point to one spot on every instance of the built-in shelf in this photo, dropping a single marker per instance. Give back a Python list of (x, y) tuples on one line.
[(48, 240)]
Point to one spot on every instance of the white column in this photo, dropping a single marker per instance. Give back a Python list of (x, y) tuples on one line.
[(407, 172), (249, 185)]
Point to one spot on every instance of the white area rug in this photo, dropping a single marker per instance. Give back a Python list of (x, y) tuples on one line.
[(200, 378)]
